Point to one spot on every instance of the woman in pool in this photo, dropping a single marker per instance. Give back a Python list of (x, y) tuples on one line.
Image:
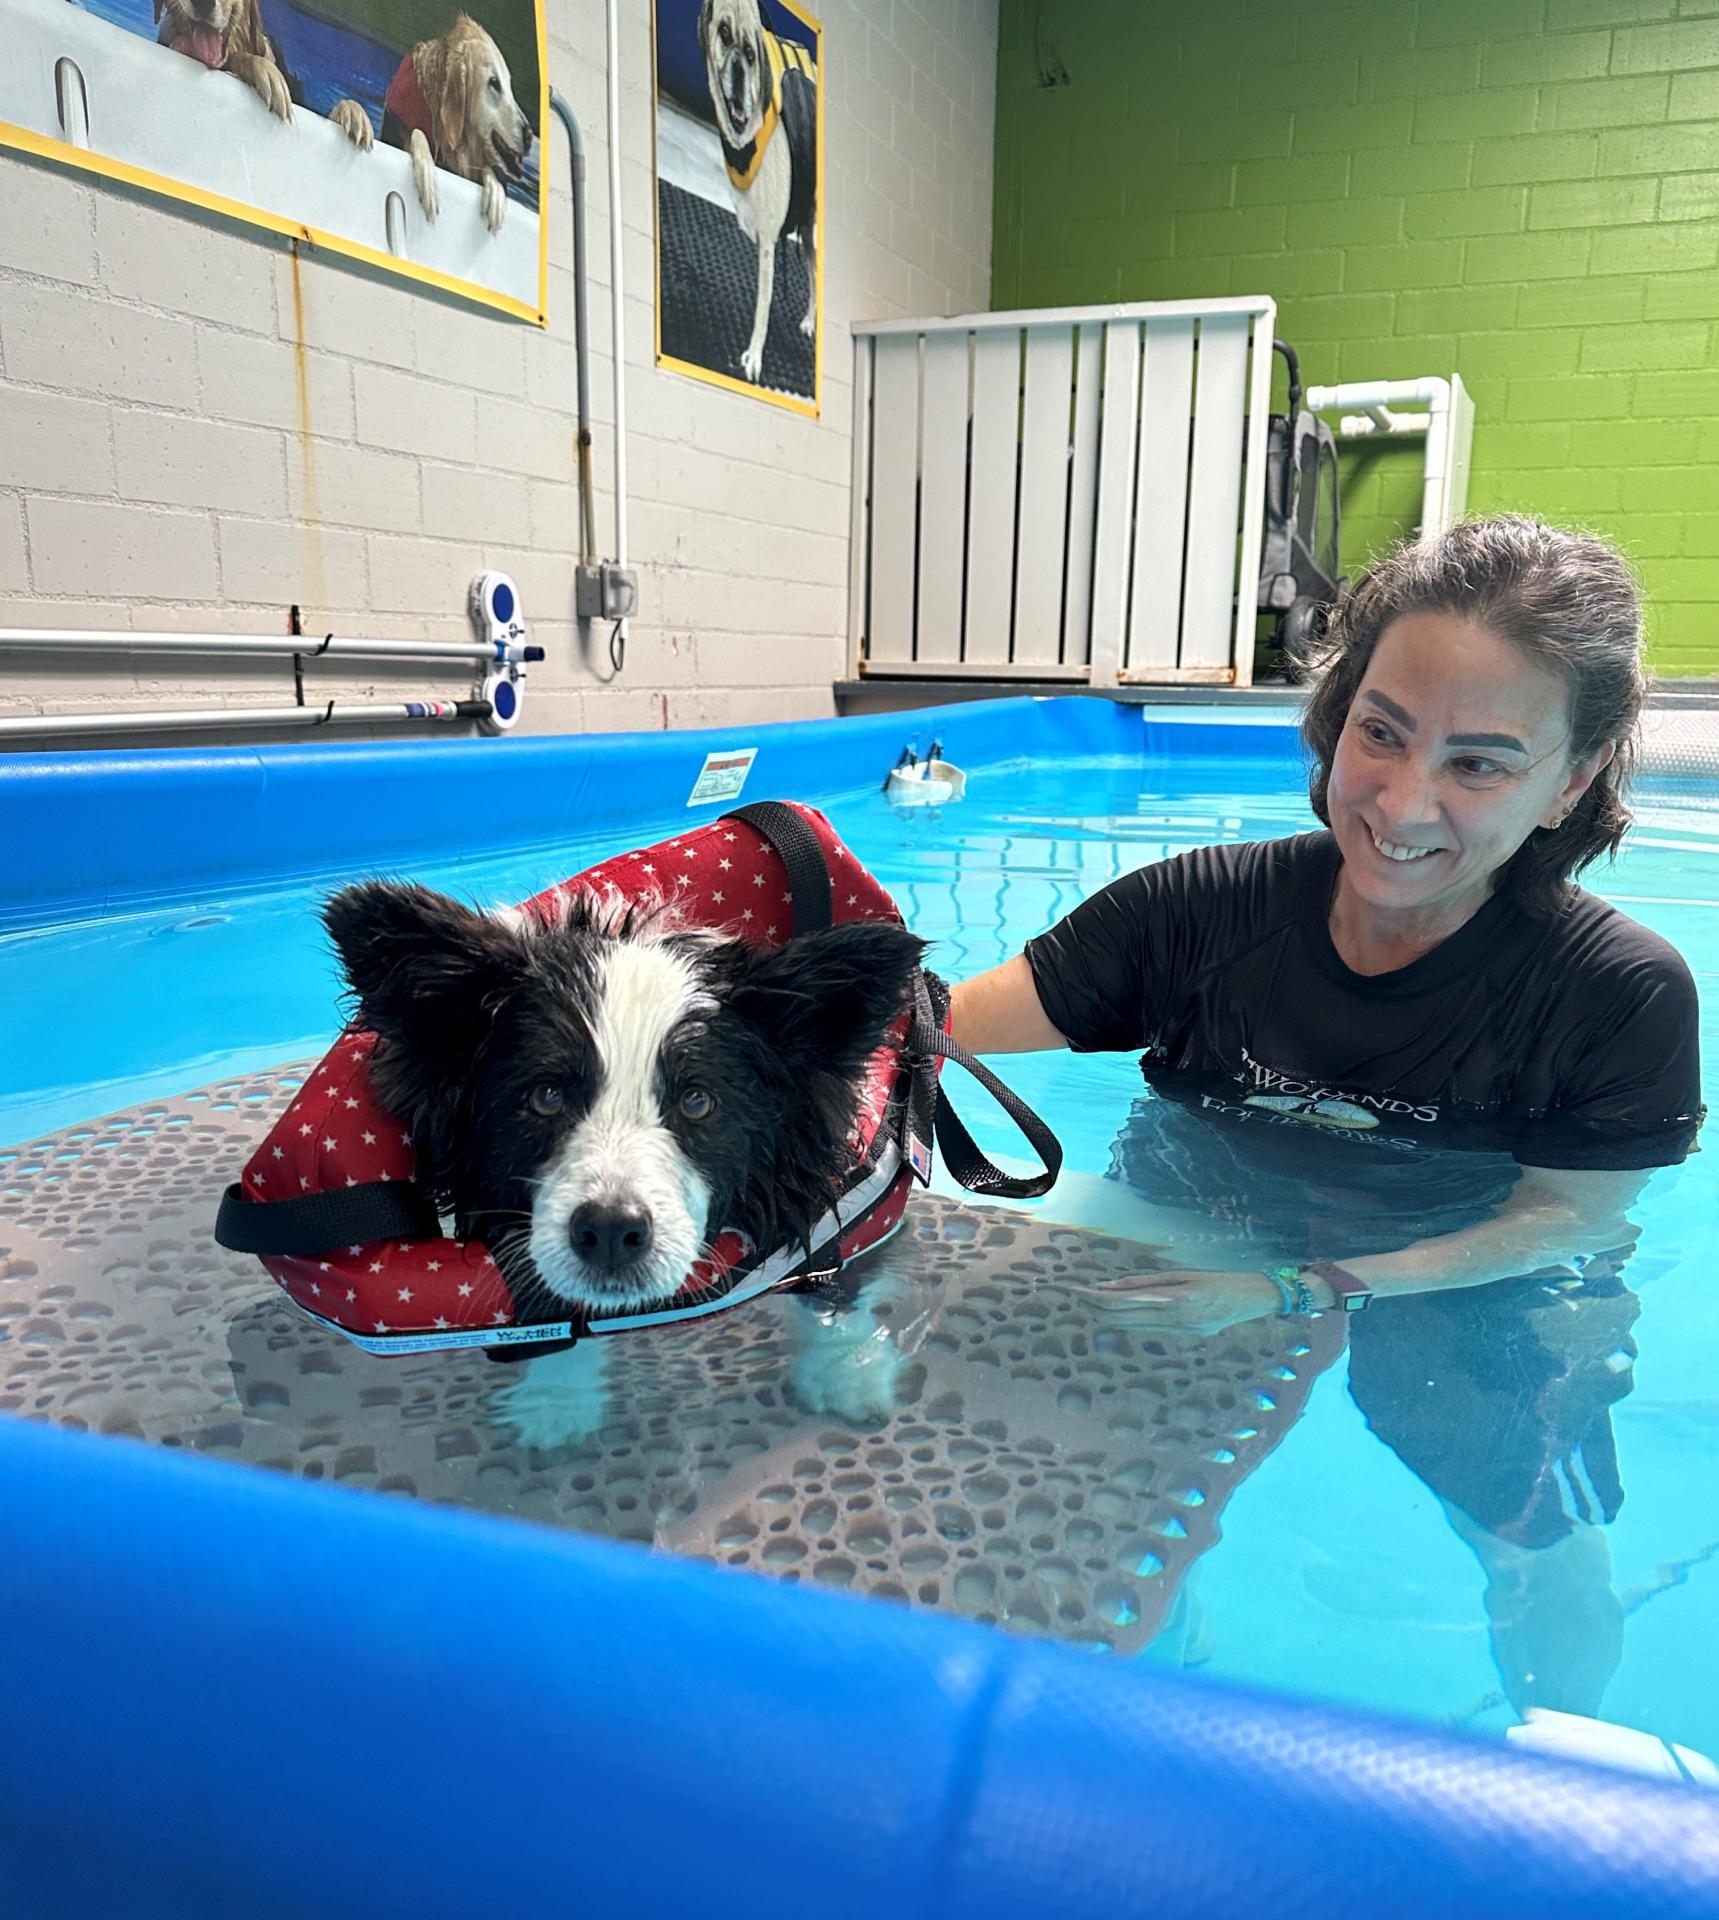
[(1407, 1056)]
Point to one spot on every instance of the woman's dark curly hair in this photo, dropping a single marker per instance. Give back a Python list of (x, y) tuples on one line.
[(1569, 602)]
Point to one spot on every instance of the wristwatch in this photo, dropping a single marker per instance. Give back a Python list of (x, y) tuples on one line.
[(1352, 1293)]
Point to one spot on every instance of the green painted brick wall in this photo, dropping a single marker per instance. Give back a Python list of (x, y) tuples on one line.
[(1524, 191)]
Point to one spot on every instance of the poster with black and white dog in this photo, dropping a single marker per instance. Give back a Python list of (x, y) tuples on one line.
[(740, 208)]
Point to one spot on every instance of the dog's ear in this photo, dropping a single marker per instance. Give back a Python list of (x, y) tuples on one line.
[(825, 1000), (428, 974), (466, 76), (704, 27)]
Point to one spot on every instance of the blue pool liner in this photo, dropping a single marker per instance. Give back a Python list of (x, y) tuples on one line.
[(229, 1693), (114, 832)]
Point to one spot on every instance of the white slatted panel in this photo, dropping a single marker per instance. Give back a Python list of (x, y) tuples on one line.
[(991, 509), (1043, 518), (894, 484), (1214, 501), (1161, 501), (999, 533), (1113, 536), (859, 503), (943, 495), (1083, 497)]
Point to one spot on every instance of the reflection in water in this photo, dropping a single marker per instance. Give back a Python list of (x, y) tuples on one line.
[(1497, 1397)]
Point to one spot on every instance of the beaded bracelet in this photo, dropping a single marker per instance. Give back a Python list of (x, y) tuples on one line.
[(1297, 1297)]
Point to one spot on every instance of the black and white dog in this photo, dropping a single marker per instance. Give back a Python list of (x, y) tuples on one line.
[(609, 1090)]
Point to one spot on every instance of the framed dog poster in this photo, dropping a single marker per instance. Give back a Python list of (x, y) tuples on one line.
[(405, 133), (740, 200)]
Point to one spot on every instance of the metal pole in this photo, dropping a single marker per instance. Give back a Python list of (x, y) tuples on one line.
[(332, 714), (581, 337), (618, 322), (282, 646)]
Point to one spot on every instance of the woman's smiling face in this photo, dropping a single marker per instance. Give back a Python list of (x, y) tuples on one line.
[(1455, 750)]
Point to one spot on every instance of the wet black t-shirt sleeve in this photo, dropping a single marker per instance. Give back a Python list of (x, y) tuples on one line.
[(1106, 973), (1631, 1095)]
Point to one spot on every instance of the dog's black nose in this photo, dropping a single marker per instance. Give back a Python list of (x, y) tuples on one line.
[(609, 1238)]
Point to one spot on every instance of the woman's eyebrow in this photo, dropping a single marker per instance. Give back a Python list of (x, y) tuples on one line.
[(1391, 709), (1507, 741)]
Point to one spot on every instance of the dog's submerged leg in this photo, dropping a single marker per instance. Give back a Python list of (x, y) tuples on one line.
[(845, 1364), (559, 1398)]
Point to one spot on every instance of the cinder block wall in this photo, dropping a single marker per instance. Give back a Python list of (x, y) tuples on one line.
[(198, 428), (1524, 191)]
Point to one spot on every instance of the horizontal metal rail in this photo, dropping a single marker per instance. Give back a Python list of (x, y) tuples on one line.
[(331, 713), (261, 645)]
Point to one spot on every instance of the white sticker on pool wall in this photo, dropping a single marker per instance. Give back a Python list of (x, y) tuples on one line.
[(722, 775)]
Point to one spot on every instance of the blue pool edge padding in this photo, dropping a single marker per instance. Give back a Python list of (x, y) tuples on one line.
[(126, 829), (229, 1692)]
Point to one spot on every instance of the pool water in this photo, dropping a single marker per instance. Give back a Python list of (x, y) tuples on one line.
[(1014, 1480)]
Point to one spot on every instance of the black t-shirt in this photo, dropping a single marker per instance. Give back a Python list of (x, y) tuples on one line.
[(1412, 1096)]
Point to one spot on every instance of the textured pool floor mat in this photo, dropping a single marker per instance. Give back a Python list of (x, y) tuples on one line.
[(1042, 1465)]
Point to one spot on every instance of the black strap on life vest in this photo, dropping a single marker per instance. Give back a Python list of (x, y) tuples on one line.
[(800, 851), (961, 1155), (319, 1222)]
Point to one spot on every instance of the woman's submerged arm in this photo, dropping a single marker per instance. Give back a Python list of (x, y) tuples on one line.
[(1552, 1216), (1000, 1012)]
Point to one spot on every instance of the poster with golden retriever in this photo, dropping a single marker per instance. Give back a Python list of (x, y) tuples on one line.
[(740, 202), (405, 133)]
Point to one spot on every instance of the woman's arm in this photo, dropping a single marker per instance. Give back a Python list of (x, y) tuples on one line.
[(1000, 1012), (1550, 1216)]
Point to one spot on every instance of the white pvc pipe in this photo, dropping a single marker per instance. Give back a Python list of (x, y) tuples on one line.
[(617, 321), (330, 713), (1433, 393), (108, 640)]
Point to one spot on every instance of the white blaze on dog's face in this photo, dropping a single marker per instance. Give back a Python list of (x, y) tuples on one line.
[(621, 1212), (732, 35)]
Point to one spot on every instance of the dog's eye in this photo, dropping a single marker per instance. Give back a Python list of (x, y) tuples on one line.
[(547, 1101), (751, 54), (696, 1104), (725, 33), (494, 84)]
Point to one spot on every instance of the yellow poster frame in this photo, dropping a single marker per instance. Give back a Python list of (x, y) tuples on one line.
[(85, 160), (811, 409)]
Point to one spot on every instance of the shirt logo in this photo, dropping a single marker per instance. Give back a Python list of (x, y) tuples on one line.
[(1322, 1112)]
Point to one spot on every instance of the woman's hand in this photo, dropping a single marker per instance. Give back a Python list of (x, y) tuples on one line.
[(1182, 1300)]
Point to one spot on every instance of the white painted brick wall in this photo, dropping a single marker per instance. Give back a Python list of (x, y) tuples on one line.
[(197, 429)]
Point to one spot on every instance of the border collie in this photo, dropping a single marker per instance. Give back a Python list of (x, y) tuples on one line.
[(608, 1090)]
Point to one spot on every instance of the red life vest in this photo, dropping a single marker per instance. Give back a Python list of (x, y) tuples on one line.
[(330, 1202), (405, 99)]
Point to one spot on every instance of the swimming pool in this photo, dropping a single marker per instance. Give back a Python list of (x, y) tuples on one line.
[(1043, 1468)]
